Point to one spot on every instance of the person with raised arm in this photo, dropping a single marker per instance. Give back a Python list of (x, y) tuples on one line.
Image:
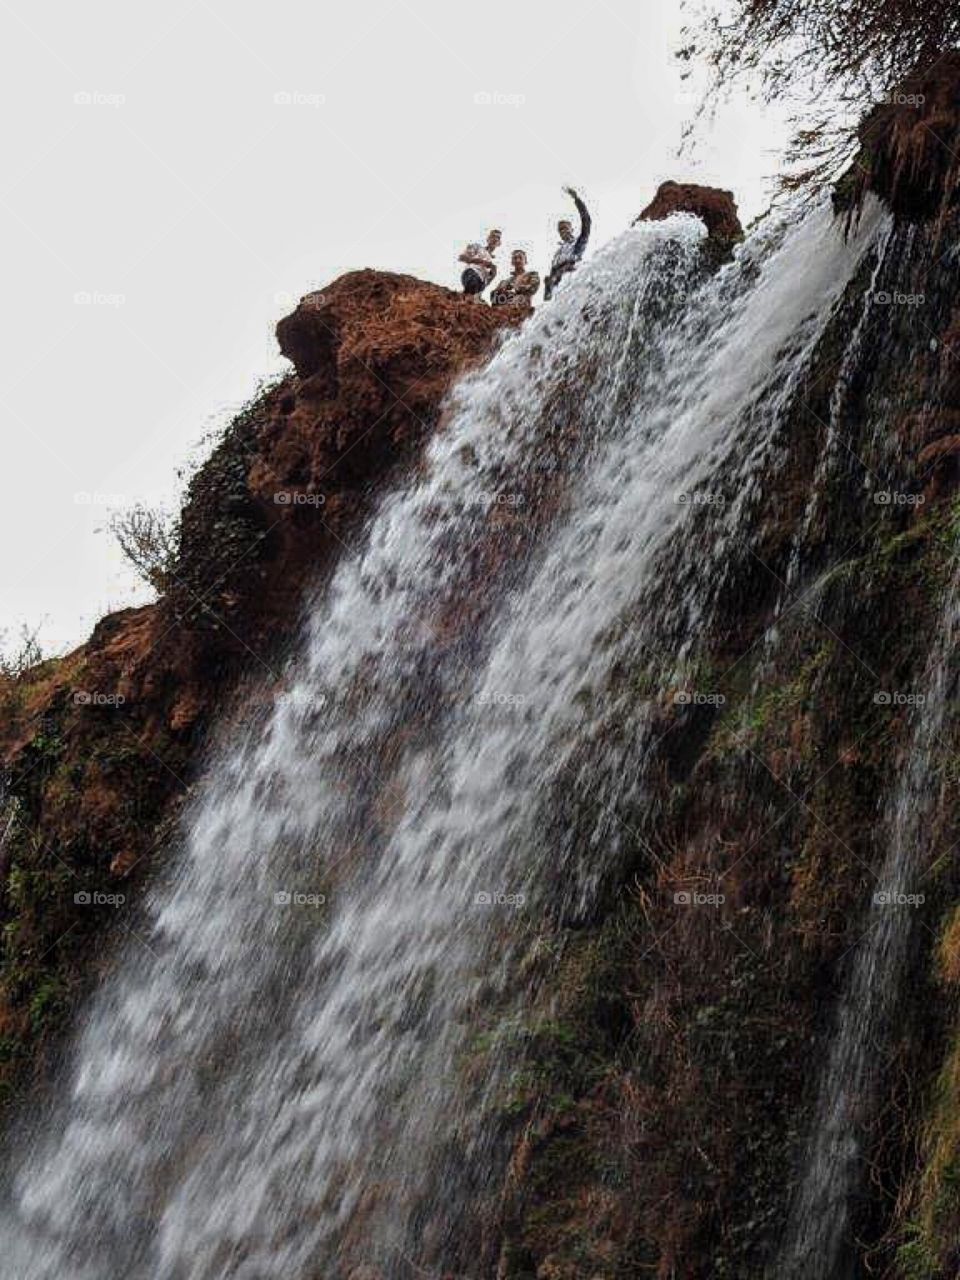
[(571, 248)]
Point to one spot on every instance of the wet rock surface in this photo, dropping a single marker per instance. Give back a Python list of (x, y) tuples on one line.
[(910, 147)]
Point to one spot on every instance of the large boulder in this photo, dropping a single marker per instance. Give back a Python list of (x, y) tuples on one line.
[(715, 207)]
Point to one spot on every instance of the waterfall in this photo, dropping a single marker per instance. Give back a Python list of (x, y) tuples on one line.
[(266, 1086), (8, 816), (818, 1233)]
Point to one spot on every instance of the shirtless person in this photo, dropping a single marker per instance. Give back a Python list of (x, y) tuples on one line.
[(519, 287), (571, 249), (481, 267)]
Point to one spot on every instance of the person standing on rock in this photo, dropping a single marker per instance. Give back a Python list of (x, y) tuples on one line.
[(518, 288), (481, 266), (571, 249)]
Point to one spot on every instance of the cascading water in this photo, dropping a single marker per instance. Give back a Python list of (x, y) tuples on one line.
[(818, 1235), (8, 814), (267, 1087)]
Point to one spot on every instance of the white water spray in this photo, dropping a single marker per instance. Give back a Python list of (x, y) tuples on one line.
[(266, 1089)]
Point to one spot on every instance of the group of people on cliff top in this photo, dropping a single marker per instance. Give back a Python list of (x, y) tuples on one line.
[(520, 287)]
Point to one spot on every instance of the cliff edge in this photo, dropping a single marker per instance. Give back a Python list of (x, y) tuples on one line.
[(99, 746)]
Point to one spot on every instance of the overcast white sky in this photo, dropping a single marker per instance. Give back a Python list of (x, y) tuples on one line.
[(151, 169)]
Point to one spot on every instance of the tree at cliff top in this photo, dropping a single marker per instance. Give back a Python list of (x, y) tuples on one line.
[(833, 58)]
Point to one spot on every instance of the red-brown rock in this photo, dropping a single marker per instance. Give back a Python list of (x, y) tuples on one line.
[(716, 208), (909, 146), (940, 467)]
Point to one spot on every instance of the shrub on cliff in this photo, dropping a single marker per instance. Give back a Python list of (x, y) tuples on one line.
[(20, 655), (20, 662), (148, 543)]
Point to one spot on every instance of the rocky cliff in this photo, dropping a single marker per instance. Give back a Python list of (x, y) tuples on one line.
[(100, 746), (663, 1127)]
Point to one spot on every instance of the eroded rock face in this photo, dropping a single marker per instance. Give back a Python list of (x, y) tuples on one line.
[(99, 746), (910, 146), (716, 208), (375, 354)]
